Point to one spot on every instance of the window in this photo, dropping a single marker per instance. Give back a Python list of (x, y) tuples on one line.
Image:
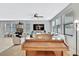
[(56, 25), (11, 28), (59, 25), (68, 24), (53, 26), (27, 28), (8, 28)]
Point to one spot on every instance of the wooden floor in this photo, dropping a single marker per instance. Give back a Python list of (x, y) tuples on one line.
[(17, 51), (13, 51)]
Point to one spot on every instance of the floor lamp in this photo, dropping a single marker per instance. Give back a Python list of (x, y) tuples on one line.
[(76, 22)]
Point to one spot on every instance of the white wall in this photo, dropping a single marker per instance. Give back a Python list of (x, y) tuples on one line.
[(46, 23), (71, 40), (76, 16)]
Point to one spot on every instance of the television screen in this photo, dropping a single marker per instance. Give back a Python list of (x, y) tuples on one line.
[(38, 26)]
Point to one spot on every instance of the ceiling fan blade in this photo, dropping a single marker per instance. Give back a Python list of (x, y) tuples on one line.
[(38, 16)]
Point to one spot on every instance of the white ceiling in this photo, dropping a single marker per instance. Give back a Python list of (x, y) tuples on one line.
[(25, 11)]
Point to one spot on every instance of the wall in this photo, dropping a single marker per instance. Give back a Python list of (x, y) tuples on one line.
[(46, 23), (27, 22), (75, 7), (70, 40)]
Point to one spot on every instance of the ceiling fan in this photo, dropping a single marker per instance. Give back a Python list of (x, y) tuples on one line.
[(37, 16)]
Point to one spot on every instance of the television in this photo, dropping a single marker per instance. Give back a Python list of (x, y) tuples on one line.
[(38, 26)]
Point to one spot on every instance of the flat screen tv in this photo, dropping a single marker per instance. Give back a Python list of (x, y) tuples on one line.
[(38, 26)]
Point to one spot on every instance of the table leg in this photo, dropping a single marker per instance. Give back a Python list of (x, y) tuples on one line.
[(26, 53), (61, 53)]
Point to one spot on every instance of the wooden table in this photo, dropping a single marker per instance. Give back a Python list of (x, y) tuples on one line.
[(44, 47)]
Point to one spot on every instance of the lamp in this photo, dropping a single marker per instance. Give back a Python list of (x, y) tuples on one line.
[(76, 22)]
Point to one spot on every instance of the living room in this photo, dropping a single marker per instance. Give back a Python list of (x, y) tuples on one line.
[(20, 22)]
